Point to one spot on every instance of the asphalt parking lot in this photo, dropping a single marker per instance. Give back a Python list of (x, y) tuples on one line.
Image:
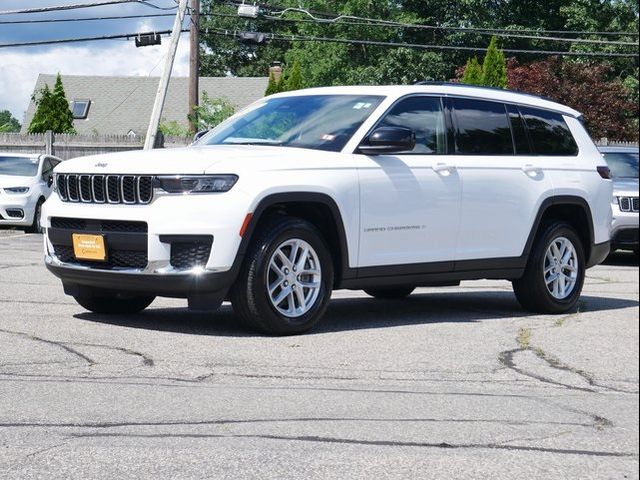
[(451, 383)]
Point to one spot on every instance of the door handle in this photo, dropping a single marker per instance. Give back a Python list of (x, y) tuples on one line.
[(443, 168), (531, 170)]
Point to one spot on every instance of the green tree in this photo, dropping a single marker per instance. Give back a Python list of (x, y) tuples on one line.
[(472, 72), (272, 86), (494, 67), (173, 128), (8, 124), (52, 110), (294, 79), (212, 111)]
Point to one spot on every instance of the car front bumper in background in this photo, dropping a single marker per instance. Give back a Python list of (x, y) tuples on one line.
[(624, 230), (13, 204)]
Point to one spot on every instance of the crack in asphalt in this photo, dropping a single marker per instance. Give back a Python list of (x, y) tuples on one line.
[(61, 345), (380, 443), (106, 425)]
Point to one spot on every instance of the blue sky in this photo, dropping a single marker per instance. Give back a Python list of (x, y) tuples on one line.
[(20, 67)]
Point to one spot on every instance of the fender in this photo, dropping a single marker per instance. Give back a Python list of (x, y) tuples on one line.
[(300, 197), (559, 200)]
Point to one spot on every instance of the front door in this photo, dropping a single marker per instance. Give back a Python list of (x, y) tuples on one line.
[(410, 202)]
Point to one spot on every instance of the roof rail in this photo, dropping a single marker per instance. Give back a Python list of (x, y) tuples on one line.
[(455, 84)]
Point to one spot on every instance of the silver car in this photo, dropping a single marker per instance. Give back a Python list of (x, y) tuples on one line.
[(623, 162)]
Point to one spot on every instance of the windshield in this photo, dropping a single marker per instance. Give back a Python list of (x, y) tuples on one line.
[(319, 122), (19, 166), (622, 164)]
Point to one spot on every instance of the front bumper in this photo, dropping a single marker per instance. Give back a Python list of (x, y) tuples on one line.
[(205, 290), (12, 202), (624, 230)]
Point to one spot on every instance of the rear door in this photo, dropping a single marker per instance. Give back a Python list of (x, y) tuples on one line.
[(503, 181), (410, 202)]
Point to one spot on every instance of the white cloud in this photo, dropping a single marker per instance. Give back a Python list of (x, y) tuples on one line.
[(19, 69)]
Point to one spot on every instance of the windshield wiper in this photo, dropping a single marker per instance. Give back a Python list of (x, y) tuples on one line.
[(256, 142)]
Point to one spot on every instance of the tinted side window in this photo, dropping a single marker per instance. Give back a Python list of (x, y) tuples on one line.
[(519, 132), (424, 116), (549, 133), (482, 128), (47, 167)]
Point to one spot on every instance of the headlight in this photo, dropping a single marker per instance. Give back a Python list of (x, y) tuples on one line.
[(17, 189), (196, 183)]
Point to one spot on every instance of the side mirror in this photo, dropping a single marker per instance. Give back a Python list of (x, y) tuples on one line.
[(49, 180), (386, 140), (199, 135)]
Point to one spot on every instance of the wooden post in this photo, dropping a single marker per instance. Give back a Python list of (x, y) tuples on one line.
[(194, 64), (48, 142)]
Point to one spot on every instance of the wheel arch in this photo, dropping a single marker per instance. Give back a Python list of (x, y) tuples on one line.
[(319, 209), (574, 210)]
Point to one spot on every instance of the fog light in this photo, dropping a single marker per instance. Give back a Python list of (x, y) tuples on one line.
[(15, 213)]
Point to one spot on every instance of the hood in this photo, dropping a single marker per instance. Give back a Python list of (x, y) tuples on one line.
[(625, 187), (15, 181), (191, 160)]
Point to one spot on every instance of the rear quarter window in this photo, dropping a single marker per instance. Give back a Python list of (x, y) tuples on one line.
[(549, 133)]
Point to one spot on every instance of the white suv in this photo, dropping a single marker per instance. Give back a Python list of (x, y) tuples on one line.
[(377, 188), (26, 181)]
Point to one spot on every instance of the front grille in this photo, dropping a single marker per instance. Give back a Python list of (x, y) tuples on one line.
[(127, 189), (628, 204), (190, 255), (100, 226), (126, 241), (116, 258)]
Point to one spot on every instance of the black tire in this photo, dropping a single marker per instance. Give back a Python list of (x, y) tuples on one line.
[(249, 295), (389, 293), (35, 226), (531, 290), (113, 303)]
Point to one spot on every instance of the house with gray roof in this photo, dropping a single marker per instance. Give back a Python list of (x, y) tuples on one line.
[(122, 105)]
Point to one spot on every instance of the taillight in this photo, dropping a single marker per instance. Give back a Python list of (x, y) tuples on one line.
[(605, 172)]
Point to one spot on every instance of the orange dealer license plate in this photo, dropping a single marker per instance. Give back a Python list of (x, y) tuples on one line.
[(89, 247)]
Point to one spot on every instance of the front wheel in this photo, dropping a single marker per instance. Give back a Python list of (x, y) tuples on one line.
[(554, 275), (114, 303), (285, 284), (35, 226)]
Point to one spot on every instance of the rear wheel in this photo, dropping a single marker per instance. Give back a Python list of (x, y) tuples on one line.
[(285, 284), (389, 293), (554, 275), (114, 303)]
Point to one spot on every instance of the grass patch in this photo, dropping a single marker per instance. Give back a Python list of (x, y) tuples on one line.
[(524, 337)]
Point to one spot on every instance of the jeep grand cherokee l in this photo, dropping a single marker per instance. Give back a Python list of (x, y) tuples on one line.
[(377, 188)]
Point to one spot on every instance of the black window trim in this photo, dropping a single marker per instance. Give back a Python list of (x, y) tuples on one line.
[(450, 127), (447, 124)]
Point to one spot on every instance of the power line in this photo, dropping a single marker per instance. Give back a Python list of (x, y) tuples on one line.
[(80, 39), (477, 31), (302, 38), (85, 19), (75, 6), (333, 18)]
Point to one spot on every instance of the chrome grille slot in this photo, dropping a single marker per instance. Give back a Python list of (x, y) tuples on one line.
[(84, 181), (86, 188), (128, 189), (97, 188), (72, 188), (145, 189), (61, 184), (113, 189)]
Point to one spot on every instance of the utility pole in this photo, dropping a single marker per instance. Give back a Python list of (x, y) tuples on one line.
[(152, 131), (194, 64)]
